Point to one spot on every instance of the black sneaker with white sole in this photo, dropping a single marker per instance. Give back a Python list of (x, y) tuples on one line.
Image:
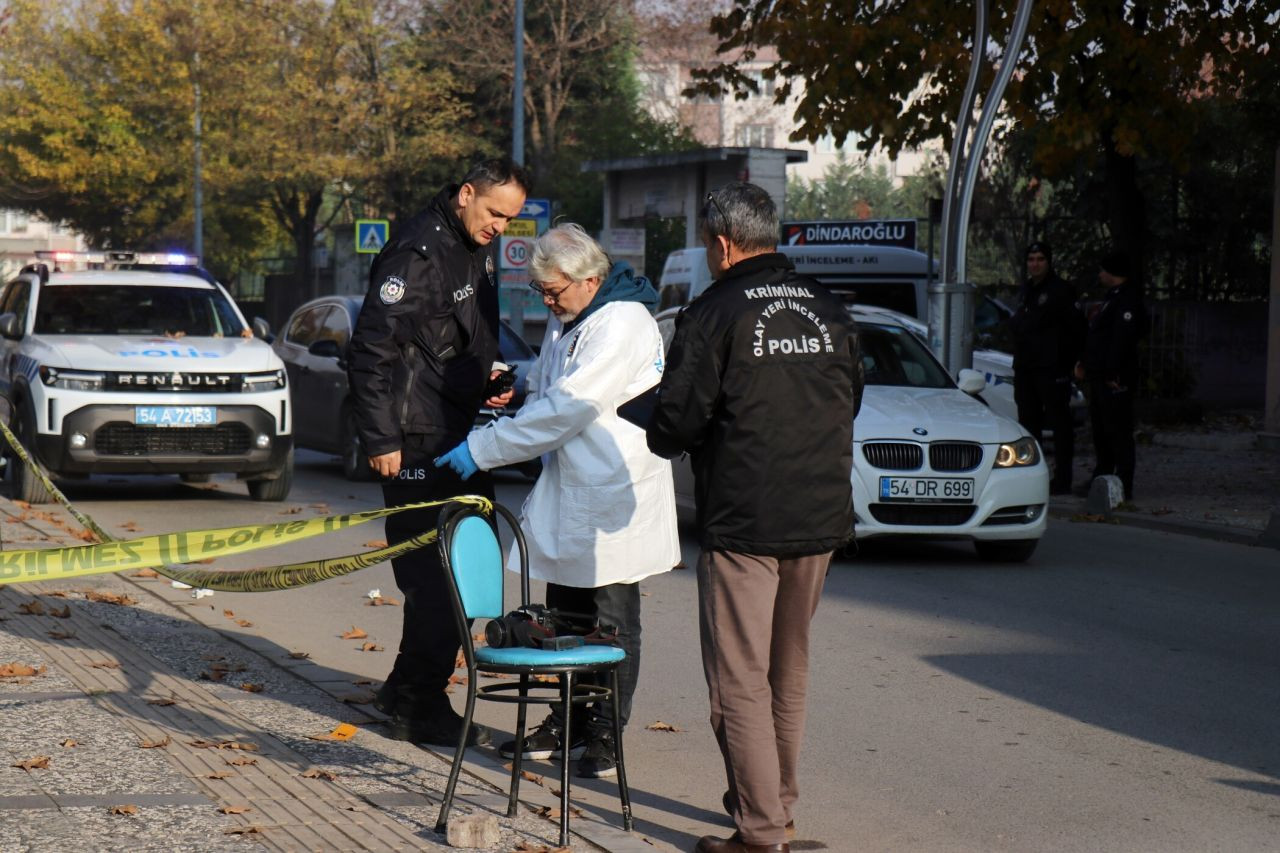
[(600, 760), (543, 742)]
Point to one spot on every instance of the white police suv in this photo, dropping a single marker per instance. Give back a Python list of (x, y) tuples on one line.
[(135, 363)]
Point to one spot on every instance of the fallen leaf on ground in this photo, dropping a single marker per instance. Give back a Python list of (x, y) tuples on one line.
[(293, 510), (659, 726), (131, 526), (242, 762), (31, 608), (213, 675), (61, 635), (354, 634), (370, 647), (161, 702), (40, 762), (220, 775), (230, 614), (343, 731), (376, 543), (123, 810), (244, 623), (68, 743), (63, 613), (382, 602), (299, 655), (229, 667), (249, 687), (57, 593), (155, 744), (459, 661), (224, 744), (553, 813), (19, 670), (457, 679), (109, 598), (234, 809), (145, 573), (317, 773), (362, 682), (252, 829), (532, 777), (545, 678), (105, 664)]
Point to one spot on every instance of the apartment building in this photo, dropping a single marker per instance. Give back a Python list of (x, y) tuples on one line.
[(22, 235)]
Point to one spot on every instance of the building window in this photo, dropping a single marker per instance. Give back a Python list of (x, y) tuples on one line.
[(764, 85), (18, 222), (755, 135)]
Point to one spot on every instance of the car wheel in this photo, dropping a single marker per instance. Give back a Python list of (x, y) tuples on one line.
[(276, 489), (24, 483), (1006, 550), (196, 477), (355, 465)]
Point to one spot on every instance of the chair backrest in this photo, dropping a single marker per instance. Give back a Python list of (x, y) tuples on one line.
[(475, 557)]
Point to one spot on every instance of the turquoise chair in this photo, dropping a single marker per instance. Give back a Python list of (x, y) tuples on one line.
[(474, 570)]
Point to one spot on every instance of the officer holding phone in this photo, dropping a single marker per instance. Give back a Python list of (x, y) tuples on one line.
[(421, 362)]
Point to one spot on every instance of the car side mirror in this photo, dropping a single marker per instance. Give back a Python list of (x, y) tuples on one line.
[(325, 349), (971, 381), (9, 327), (261, 329)]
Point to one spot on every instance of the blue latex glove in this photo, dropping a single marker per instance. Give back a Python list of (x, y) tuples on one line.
[(459, 459)]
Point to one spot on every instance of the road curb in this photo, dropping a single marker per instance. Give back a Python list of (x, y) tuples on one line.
[(1214, 532)]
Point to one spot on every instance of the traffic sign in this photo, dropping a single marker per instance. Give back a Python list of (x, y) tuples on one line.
[(515, 252), (539, 210), (371, 235), (522, 228)]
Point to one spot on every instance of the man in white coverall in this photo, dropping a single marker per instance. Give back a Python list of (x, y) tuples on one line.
[(602, 515)]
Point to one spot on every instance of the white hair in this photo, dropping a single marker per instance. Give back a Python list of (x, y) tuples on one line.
[(570, 250)]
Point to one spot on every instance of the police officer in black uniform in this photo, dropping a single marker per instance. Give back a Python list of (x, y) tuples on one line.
[(419, 361), (1110, 367), (1048, 332)]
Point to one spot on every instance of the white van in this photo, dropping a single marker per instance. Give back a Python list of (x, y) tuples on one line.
[(883, 276)]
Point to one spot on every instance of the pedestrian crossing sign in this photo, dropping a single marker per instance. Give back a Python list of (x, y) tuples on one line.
[(371, 235)]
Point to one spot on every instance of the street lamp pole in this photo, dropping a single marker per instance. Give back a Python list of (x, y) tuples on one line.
[(517, 95), (198, 240)]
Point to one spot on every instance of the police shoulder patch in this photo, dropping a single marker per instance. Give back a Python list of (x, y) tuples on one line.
[(392, 290)]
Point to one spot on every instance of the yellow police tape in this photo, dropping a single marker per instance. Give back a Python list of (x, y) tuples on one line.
[(160, 551)]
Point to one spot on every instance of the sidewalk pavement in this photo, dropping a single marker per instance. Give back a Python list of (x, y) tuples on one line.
[(131, 724)]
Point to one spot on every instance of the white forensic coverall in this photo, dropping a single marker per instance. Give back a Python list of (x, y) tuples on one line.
[(603, 510)]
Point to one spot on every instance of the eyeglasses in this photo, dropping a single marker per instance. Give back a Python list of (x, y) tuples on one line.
[(711, 200), (553, 295)]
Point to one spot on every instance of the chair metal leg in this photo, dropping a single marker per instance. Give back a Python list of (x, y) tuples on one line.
[(443, 822), (514, 799), (624, 793), (566, 687)]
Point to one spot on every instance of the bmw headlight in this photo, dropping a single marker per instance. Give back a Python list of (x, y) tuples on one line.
[(270, 380), (1018, 454), (71, 380)]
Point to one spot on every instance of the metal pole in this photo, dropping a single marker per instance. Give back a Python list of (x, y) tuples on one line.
[(517, 98), (958, 143), (198, 240), (1271, 408)]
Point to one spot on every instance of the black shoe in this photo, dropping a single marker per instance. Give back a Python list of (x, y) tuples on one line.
[(442, 728), (543, 742), (600, 760)]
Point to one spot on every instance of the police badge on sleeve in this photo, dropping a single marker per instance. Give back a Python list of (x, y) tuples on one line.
[(488, 268), (392, 290)]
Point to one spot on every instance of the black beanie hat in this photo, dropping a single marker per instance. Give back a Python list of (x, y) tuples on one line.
[(1116, 263), (1043, 248)]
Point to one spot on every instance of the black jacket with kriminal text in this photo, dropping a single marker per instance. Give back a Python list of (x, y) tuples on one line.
[(1115, 327), (427, 335), (1048, 328), (762, 382)]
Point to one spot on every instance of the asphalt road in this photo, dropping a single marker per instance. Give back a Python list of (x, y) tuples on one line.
[(1119, 692)]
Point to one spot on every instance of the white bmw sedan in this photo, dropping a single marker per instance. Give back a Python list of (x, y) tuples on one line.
[(930, 459)]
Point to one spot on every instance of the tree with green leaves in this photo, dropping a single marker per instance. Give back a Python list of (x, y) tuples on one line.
[(1102, 85)]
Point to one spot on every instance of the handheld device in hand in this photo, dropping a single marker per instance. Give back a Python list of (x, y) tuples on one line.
[(503, 382)]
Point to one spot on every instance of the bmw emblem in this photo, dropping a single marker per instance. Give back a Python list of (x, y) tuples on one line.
[(920, 431)]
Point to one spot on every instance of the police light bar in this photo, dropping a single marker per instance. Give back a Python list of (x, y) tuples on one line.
[(169, 259)]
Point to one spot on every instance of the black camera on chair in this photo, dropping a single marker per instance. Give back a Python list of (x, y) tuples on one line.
[(537, 626)]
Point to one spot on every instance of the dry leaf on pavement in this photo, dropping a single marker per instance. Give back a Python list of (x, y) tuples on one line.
[(19, 670), (162, 702), (376, 543), (317, 773), (213, 675), (251, 829), (123, 809), (145, 573), (62, 613), (241, 762), (244, 623), (131, 526), (234, 809), (249, 687), (108, 597), (68, 743), (106, 664), (40, 762), (219, 775), (61, 635), (354, 634), (370, 647), (293, 510), (155, 744), (31, 608), (382, 601), (659, 726), (230, 614), (299, 655), (343, 731)]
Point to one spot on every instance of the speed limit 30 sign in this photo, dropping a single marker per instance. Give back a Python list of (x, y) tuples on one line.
[(515, 252)]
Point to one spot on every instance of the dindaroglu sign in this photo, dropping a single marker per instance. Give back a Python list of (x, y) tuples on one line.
[(861, 232)]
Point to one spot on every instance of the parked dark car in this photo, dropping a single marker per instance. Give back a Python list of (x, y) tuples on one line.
[(312, 344)]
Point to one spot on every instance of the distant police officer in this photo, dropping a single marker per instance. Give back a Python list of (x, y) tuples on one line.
[(762, 383), (1110, 367), (419, 360), (1048, 332)]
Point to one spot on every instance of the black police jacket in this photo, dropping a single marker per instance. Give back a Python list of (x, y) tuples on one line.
[(427, 334), (1111, 348), (762, 382), (1048, 328)]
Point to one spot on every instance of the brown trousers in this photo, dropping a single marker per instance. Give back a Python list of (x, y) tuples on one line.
[(754, 615)]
